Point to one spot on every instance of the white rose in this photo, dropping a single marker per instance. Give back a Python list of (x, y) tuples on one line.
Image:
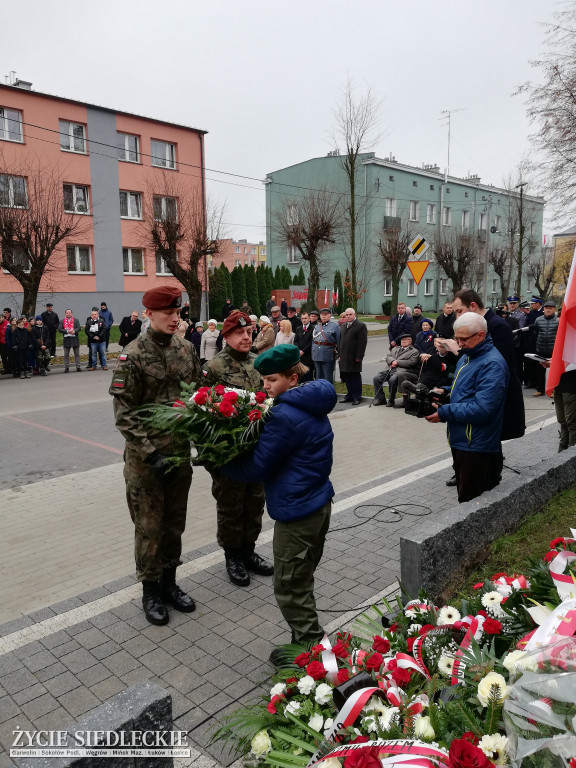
[(293, 708), (278, 689), (316, 722), (323, 694), (484, 686), (389, 718), (423, 728), (513, 661), (331, 762), (260, 744), (306, 685)]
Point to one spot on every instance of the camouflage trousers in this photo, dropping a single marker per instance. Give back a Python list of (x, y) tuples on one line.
[(240, 507), (158, 510)]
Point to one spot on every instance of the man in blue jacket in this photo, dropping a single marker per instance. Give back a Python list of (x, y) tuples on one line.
[(399, 324), (474, 415)]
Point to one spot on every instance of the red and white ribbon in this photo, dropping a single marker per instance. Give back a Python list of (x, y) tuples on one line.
[(329, 661), (405, 751), (459, 665), (405, 661), (565, 584)]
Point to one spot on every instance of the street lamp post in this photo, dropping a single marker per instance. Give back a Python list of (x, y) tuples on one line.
[(521, 243)]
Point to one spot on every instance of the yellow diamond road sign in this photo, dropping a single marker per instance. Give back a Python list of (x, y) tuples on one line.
[(418, 246)]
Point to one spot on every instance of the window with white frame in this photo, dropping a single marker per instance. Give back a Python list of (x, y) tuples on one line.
[(411, 291), (446, 217), (465, 221), (498, 222), (76, 199), (443, 286), (387, 286), (163, 154), (390, 206), (72, 137), (430, 214), (17, 257), (414, 210), (237, 262), (262, 251), (495, 285), (128, 147), (529, 285), (293, 255), (13, 191), (130, 205), (252, 251), (292, 214), (78, 257), (428, 287), (165, 208), (10, 124), (161, 266), (245, 252), (237, 249), (252, 262), (133, 261), (483, 221)]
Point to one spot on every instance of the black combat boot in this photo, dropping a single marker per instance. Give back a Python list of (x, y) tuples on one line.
[(173, 595), (236, 568), (154, 608), (254, 562)]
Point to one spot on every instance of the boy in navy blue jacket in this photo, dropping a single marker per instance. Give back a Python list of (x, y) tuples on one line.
[(294, 459)]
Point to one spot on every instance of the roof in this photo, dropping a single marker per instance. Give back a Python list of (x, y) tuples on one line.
[(97, 106), (567, 232)]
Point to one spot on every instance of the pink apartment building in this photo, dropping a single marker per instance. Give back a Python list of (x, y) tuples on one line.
[(116, 169), (239, 253)]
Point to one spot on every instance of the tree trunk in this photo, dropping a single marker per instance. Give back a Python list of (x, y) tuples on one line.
[(313, 280), (353, 235)]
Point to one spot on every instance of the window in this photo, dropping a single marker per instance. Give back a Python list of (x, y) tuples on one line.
[(130, 205), (465, 221), (237, 262), (411, 287), (414, 210), (128, 148), (495, 283), (133, 261), (390, 206), (10, 124), (262, 251), (430, 214), (164, 208), (292, 214), (483, 221), (293, 255), (387, 286), (498, 222), (447, 217), (252, 251), (76, 199), (414, 183), (78, 258), (428, 287), (390, 178), (13, 192), (245, 251), (161, 266), (529, 285), (252, 262), (163, 154), (18, 258), (443, 286), (72, 137), (237, 249)]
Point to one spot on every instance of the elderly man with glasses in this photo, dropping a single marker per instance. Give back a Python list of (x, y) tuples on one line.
[(476, 409)]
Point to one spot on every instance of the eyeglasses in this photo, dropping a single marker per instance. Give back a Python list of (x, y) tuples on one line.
[(462, 339)]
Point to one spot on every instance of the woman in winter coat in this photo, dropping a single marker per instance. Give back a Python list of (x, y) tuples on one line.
[(266, 338), (22, 343), (424, 342), (285, 335), (208, 348)]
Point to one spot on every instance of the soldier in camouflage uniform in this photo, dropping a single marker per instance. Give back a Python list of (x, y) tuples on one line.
[(240, 506), (150, 370)]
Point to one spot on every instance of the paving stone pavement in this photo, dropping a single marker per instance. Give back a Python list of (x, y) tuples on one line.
[(58, 661)]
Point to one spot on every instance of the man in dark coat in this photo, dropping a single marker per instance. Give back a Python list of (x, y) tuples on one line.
[(303, 340), (399, 324), (531, 367), (444, 326), (227, 308), (295, 321), (130, 328), (52, 322), (417, 318), (353, 341)]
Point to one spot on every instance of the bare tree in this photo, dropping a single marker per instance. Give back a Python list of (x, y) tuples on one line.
[(356, 128), (456, 255), (184, 230), (551, 108), (392, 248), (33, 224), (500, 262), (310, 224), (544, 273)]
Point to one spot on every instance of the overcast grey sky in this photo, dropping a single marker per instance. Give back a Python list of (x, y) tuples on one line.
[(263, 76)]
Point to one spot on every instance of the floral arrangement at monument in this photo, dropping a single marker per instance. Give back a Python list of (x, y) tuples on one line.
[(220, 422), (489, 680)]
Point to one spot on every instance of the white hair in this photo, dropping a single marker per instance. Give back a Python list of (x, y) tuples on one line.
[(472, 321), (212, 321), (253, 317), (264, 319)]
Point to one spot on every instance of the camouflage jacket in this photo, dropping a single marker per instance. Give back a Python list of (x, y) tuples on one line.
[(150, 370), (234, 369)]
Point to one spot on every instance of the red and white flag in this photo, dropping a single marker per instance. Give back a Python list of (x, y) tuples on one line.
[(564, 354), (326, 297)]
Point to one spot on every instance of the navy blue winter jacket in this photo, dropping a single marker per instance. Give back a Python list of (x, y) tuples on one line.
[(399, 324), (294, 454)]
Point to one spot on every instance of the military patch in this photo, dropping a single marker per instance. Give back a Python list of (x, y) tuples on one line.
[(242, 322), (118, 380), (123, 356)]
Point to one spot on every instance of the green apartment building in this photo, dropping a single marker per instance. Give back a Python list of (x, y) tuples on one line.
[(394, 199)]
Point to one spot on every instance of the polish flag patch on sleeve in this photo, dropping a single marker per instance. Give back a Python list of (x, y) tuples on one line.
[(123, 356)]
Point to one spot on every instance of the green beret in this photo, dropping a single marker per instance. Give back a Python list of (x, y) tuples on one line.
[(277, 359)]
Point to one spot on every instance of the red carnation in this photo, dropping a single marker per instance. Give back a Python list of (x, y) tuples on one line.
[(204, 390), (226, 408), (200, 398), (549, 556), (499, 575), (491, 627), (343, 675), (479, 585), (373, 662), (463, 754), (302, 659), (220, 389), (363, 758), (555, 542), (271, 707), (254, 415), (231, 397), (178, 404), (317, 650), (381, 644), (393, 627), (260, 397), (345, 638), (316, 670), (471, 737), (483, 613)]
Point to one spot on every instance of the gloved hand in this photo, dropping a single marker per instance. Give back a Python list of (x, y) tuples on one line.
[(159, 464)]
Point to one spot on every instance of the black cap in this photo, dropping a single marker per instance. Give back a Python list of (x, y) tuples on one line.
[(314, 312), (417, 306), (550, 303), (405, 336)]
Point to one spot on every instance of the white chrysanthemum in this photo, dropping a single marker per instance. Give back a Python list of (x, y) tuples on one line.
[(413, 629), (293, 707), (316, 721), (278, 689), (260, 744), (423, 728), (485, 685), (491, 599), (495, 747), (369, 724), (448, 615), (306, 685), (389, 718), (446, 664), (323, 694)]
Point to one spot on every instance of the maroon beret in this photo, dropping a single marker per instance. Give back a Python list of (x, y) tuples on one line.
[(236, 319), (163, 297)]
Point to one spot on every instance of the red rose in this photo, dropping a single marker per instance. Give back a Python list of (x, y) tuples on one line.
[(316, 670), (491, 627), (220, 389), (204, 390), (302, 659), (343, 675), (316, 651), (291, 680), (463, 754), (373, 662), (254, 415), (231, 397), (178, 404), (271, 707), (401, 676), (425, 629), (200, 398), (340, 650), (573, 762), (345, 638), (471, 737), (226, 408), (394, 627), (380, 644), (260, 397), (363, 758)]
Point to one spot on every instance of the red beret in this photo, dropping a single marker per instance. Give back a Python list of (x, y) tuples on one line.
[(235, 320), (163, 297)]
